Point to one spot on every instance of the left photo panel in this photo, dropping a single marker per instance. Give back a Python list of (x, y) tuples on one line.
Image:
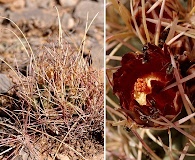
[(51, 80)]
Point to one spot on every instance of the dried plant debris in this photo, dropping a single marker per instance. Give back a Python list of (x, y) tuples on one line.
[(55, 106), (150, 69)]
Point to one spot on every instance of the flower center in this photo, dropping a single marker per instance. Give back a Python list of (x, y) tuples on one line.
[(142, 87)]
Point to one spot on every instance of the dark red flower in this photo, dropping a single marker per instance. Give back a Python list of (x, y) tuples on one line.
[(139, 84)]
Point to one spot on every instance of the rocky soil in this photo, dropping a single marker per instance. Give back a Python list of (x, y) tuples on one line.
[(38, 20)]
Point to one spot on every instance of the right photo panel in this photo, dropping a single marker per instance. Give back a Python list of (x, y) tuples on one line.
[(150, 74)]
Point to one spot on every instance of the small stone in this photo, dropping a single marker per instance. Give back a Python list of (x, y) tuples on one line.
[(67, 21), (91, 8), (6, 1), (97, 53), (68, 3), (63, 157), (5, 83), (17, 4), (38, 17)]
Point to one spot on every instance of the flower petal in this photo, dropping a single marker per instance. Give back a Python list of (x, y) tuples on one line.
[(139, 84)]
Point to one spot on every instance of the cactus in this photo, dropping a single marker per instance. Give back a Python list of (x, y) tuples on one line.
[(56, 108), (149, 116)]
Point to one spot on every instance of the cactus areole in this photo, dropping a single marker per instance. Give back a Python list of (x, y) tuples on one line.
[(139, 84)]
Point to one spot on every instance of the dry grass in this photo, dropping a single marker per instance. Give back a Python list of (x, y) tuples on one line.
[(55, 107), (125, 139)]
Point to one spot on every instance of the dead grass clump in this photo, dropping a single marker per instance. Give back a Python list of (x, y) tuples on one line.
[(58, 102)]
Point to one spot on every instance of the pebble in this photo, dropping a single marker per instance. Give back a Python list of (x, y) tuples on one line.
[(17, 4), (5, 83), (6, 1), (67, 21), (38, 16), (62, 157), (97, 52), (68, 3), (91, 8)]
